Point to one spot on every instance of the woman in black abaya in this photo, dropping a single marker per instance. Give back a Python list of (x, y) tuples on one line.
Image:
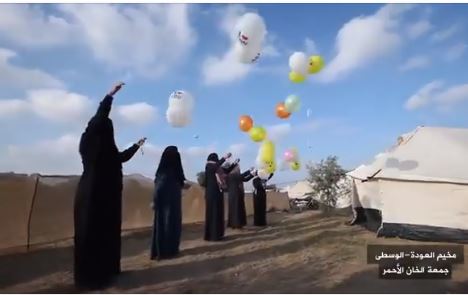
[(214, 200), (167, 204), (259, 200), (237, 217), (98, 201)]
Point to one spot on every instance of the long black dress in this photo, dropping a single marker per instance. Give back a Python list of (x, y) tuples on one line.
[(259, 201), (214, 201), (98, 202), (167, 225), (237, 217)]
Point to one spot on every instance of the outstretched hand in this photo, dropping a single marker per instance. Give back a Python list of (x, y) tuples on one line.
[(116, 88), (141, 141), (228, 155)]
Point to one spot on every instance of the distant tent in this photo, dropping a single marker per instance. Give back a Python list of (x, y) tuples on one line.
[(303, 189), (299, 190), (418, 189)]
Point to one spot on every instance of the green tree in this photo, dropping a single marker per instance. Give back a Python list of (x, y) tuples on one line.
[(324, 178)]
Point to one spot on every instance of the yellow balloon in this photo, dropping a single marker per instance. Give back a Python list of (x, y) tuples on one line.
[(267, 153), (296, 77), (257, 133), (295, 166), (316, 64), (271, 169)]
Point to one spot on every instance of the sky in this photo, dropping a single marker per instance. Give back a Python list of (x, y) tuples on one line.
[(388, 69)]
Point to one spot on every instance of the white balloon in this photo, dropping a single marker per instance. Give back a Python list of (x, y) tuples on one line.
[(299, 63), (179, 111), (251, 30), (263, 174), (182, 99), (246, 54)]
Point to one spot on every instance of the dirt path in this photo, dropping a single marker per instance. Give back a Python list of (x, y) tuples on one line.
[(302, 253)]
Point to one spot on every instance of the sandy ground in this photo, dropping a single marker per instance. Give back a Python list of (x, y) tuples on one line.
[(297, 253)]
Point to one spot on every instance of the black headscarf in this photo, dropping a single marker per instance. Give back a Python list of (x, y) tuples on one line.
[(213, 157), (171, 164)]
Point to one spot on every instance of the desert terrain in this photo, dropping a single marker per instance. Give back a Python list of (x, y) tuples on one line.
[(296, 253)]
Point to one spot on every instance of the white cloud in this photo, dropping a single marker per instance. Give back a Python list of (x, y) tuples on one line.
[(453, 95), (455, 52), (55, 105), (219, 70), (418, 29), (138, 113), (199, 151), (269, 50), (237, 149), (279, 131), (52, 156), (433, 93), (365, 39), (12, 107), (59, 105), (310, 46), (415, 62), (148, 39), (443, 35), (62, 106), (423, 96), (23, 78), (30, 26)]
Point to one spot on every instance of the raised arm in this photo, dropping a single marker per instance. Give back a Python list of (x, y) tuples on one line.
[(222, 160), (247, 175), (271, 175), (106, 104)]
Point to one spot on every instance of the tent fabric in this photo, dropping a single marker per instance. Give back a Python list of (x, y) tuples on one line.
[(419, 187), (423, 233), (431, 154), (430, 204)]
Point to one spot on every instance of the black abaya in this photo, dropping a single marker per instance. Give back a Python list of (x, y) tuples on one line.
[(259, 201), (237, 217), (214, 201), (167, 225), (98, 202)]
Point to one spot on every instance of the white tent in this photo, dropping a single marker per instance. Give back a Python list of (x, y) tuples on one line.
[(419, 187)]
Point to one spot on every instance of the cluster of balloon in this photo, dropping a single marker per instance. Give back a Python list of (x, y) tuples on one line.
[(291, 156), (251, 32), (301, 66), (180, 108), (256, 133), (290, 105), (266, 161)]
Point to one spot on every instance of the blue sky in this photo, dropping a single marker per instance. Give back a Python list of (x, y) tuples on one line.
[(389, 68)]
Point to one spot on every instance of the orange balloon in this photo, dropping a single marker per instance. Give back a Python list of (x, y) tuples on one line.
[(281, 111), (245, 123)]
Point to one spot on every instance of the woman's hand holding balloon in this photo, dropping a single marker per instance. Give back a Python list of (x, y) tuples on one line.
[(141, 142), (116, 88)]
